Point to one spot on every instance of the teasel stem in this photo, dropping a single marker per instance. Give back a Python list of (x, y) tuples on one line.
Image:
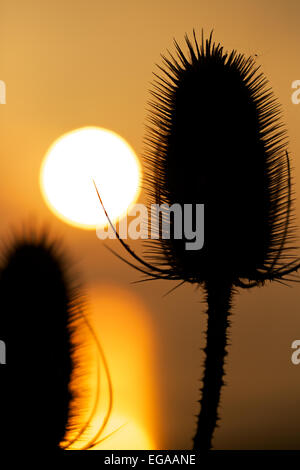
[(219, 303)]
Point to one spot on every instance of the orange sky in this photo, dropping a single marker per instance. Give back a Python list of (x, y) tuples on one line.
[(76, 63)]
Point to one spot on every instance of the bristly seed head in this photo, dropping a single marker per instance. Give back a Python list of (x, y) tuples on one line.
[(36, 321), (216, 138)]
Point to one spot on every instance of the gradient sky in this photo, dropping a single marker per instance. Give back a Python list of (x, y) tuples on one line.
[(76, 63)]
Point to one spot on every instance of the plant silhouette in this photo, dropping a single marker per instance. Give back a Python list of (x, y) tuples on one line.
[(41, 309), (216, 138)]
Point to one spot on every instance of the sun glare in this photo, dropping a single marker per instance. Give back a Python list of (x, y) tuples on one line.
[(123, 327), (74, 161), (125, 434)]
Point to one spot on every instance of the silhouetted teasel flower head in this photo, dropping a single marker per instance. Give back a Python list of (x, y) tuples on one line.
[(45, 326), (36, 318), (216, 138)]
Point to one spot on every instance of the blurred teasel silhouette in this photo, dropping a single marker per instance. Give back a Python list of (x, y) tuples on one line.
[(42, 319), (216, 138)]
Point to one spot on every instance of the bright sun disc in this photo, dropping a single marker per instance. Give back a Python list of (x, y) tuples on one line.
[(74, 161)]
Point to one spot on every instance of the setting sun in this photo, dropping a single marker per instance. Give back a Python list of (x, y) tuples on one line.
[(74, 161)]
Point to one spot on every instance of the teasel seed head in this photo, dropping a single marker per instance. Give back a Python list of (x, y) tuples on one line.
[(216, 138), (38, 305)]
